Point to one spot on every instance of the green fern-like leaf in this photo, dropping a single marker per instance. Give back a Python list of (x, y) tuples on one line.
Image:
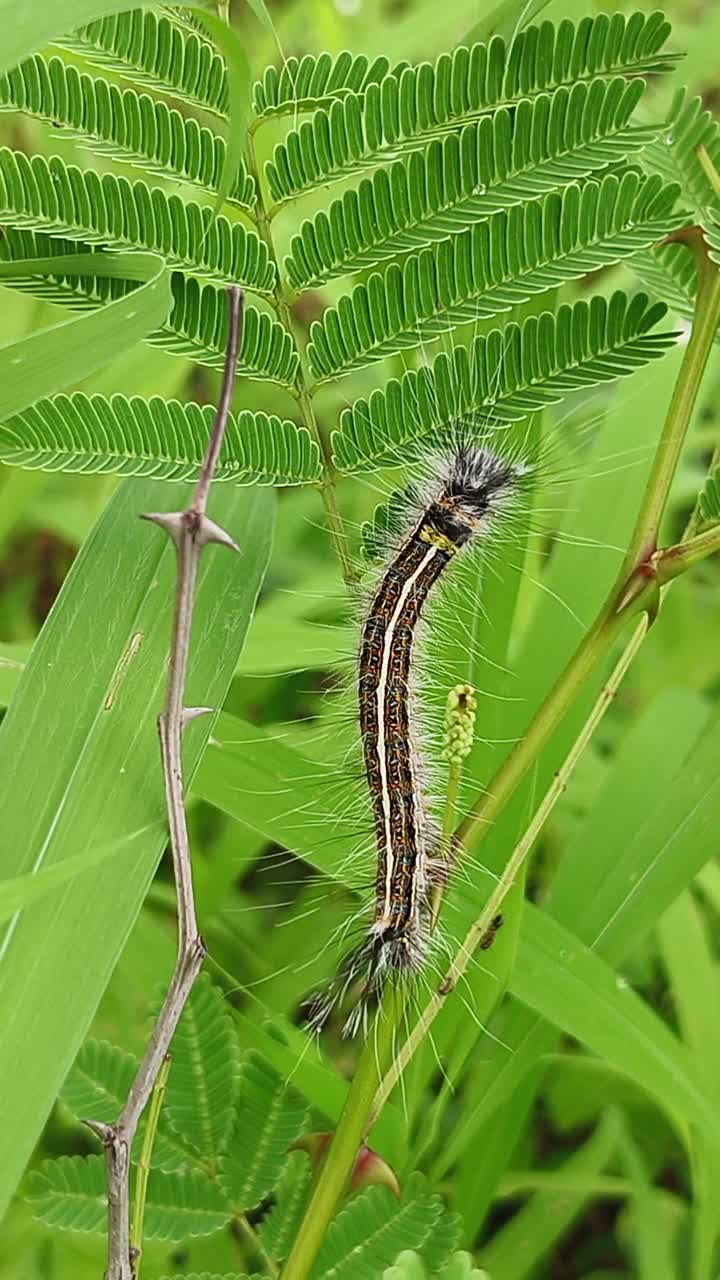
[(183, 1204), (196, 326), (58, 198), (410, 1266), (712, 237), (504, 376), (151, 49), (410, 107), (464, 178), (269, 1117), (99, 1081), (301, 86), (669, 272), (97, 1088), (203, 1079), (279, 1228), (388, 521), (373, 1229), (710, 498), (676, 155), (155, 437), (122, 123), (492, 267), (70, 1194)]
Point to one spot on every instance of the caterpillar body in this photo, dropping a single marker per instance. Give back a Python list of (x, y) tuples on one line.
[(469, 491)]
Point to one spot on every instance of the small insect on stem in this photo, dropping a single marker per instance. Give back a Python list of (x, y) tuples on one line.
[(488, 937)]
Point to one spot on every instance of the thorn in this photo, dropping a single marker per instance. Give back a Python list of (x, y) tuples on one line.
[(211, 532), (104, 1132), (191, 713), (170, 521)]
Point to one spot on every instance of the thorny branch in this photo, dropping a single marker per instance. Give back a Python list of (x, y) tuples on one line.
[(191, 531)]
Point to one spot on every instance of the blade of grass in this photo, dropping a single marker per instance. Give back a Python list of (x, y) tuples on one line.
[(692, 969), (517, 1249)]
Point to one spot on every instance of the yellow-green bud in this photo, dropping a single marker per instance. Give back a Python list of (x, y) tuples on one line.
[(459, 723)]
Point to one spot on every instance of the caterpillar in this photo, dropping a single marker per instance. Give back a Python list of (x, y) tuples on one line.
[(467, 494)]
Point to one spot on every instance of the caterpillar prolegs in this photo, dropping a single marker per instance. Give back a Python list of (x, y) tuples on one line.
[(469, 492)]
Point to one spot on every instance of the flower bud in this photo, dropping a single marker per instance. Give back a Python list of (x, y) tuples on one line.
[(459, 723)]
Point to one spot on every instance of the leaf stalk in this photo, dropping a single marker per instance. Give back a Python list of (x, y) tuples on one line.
[(143, 1173), (301, 390), (191, 531)]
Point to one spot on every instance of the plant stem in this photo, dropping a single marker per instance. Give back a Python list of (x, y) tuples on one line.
[(705, 323), (301, 388), (455, 770), (190, 531), (348, 1138), (143, 1172)]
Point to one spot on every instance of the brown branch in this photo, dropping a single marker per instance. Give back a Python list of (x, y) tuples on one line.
[(191, 531)]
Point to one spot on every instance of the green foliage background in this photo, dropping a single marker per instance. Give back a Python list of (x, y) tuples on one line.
[(581, 1138)]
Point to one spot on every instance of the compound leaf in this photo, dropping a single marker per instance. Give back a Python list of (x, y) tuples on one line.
[(370, 1232), (161, 438), (501, 378), (279, 1228), (463, 178), (412, 105), (203, 1075), (150, 48), (491, 267), (62, 199), (122, 124), (269, 1116)]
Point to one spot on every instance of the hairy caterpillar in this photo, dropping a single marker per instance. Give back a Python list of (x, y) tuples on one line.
[(469, 491)]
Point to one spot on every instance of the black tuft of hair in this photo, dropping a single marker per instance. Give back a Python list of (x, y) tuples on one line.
[(477, 478)]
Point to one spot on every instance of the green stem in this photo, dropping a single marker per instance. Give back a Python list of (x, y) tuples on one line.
[(301, 389), (455, 771), (253, 1241), (143, 1169), (705, 324), (337, 1168)]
